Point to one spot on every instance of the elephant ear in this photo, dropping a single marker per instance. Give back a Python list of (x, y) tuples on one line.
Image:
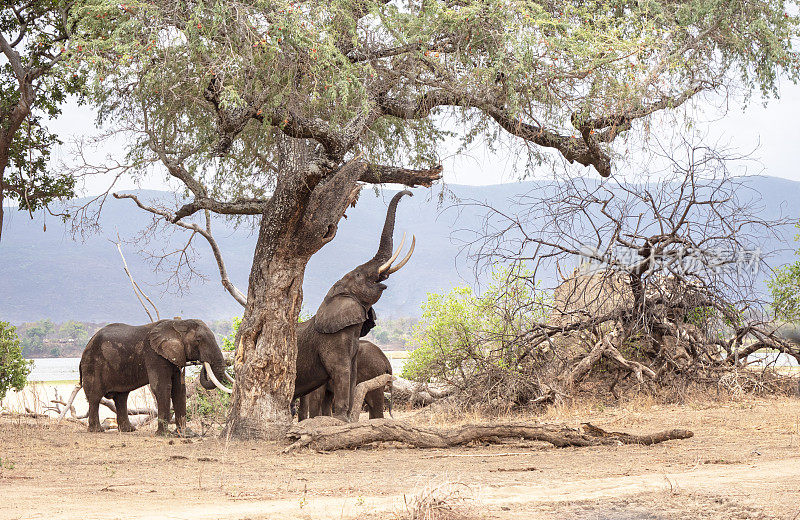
[(168, 343), (338, 312), (369, 324)]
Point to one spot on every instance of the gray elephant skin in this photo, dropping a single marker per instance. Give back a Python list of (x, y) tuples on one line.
[(120, 358), (327, 344), (371, 363)]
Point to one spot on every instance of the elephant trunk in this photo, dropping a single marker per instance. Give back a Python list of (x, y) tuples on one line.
[(385, 246)]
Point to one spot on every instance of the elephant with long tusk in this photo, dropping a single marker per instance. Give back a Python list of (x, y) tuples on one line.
[(327, 344), (120, 358), (208, 373)]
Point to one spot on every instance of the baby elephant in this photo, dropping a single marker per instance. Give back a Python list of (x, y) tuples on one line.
[(120, 358)]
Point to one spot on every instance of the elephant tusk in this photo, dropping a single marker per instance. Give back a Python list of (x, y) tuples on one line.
[(214, 379), (388, 263), (401, 264), (230, 378)]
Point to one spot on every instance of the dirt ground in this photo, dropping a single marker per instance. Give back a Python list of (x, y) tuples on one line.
[(743, 463)]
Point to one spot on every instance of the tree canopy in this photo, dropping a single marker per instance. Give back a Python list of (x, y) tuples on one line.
[(34, 39), (219, 81)]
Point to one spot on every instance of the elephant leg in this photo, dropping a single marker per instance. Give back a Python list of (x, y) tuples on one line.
[(341, 395), (302, 409), (179, 400), (161, 385), (326, 403), (94, 411), (339, 362), (314, 399), (121, 402), (353, 382), (374, 400)]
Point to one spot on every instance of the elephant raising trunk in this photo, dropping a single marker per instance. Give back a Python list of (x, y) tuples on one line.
[(384, 257), (327, 344)]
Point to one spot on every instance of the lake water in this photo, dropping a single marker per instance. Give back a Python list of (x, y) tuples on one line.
[(55, 369), (66, 369)]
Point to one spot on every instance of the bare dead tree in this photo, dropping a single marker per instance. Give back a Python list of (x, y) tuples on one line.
[(664, 285)]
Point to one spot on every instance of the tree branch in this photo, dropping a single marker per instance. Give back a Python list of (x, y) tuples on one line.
[(205, 233), (573, 149), (236, 207), (380, 174)]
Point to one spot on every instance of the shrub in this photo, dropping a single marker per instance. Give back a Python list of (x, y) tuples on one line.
[(477, 342), (209, 407), (14, 369), (228, 341)]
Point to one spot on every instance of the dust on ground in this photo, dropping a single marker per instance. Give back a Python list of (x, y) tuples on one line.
[(742, 463)]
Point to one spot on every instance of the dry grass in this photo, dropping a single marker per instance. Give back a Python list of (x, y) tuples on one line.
[(742, 463), (446, 501)]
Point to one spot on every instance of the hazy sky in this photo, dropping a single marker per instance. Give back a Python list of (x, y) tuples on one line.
[(770, 133)]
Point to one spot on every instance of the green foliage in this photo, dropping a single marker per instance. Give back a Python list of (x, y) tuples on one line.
[(228, 341), (393, 332), (700, 316), (208, 406), (14, 369), (785, 289), (33, 337), (44, 338), (560, 64), (28, 179), (74, 330), (448, 324), (462, 334)]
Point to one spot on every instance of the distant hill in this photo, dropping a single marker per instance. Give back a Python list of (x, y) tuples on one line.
[(50, 275)]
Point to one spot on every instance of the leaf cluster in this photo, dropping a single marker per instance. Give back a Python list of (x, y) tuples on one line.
[(14, 369)]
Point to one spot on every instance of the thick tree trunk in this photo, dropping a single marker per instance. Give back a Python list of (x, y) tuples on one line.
[(301, 217), (266, 349)]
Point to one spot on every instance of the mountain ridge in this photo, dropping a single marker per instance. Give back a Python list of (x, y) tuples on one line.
[(49, 275)]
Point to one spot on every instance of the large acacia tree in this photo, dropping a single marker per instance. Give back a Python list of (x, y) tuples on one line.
[(283, 109)]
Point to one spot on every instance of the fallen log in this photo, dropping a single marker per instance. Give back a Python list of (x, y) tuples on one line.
[(362, 389), (419, 394), (108, 403), (353, 435)]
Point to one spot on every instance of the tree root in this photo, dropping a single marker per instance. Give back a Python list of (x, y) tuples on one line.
[(353, 435)]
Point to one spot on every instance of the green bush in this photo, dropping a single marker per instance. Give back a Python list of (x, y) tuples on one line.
[(14, 369), (477, 342), (209, 406), (228, 344), (785, 289)]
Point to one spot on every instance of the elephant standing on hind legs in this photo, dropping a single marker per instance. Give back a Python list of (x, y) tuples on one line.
[(372, 362), (120, 358), (327, 344)]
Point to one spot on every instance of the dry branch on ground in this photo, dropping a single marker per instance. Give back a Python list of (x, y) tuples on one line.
[(353, 435)]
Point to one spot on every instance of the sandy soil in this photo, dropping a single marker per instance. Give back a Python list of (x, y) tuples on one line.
[(743, 463)]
